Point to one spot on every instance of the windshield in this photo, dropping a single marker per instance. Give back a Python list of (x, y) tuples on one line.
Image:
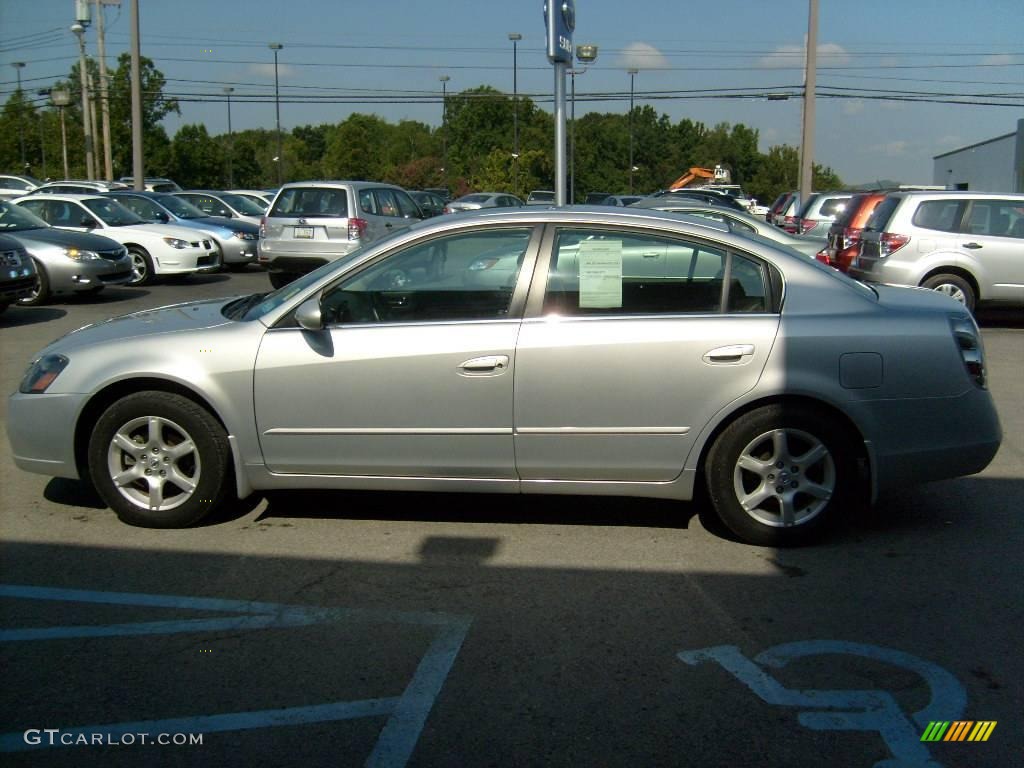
[(112, 213), (16, 219), (180, 207), (241, 204)]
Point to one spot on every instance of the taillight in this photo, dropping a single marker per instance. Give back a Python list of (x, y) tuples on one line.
[(806, 225), (968, 340), (822, 256), (446, 209), (263, 227), (890, 242), (357, 228), (851, 236)]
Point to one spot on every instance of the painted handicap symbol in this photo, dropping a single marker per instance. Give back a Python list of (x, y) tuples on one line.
[(853, 710)]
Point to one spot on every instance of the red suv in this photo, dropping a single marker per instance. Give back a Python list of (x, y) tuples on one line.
[(843, 239)]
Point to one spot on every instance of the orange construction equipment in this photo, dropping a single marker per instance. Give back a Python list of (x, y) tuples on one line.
[(718, 174)]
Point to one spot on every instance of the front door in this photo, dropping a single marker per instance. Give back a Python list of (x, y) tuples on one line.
[(413, 374)]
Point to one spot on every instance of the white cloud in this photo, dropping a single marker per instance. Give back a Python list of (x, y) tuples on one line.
[(892, 148), (267, 70), (829, 54), (642, 56), (853, 106), (1001, 59)]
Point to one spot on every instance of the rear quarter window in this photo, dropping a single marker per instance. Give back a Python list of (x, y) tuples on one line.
[(834, 206)]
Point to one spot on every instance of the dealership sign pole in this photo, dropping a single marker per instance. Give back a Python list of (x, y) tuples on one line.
[(560, 19)]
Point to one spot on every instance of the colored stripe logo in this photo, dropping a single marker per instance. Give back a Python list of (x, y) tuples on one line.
[(959, 730)]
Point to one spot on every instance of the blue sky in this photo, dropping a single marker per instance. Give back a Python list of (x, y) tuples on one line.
[(346, 51)]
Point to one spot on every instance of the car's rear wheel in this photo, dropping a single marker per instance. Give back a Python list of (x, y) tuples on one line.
[(41, 292), (778, 476), (159, 460), (953, 286), (142, 265)]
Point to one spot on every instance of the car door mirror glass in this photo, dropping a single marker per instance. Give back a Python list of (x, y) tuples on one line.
[(308, 314), (88, 222)]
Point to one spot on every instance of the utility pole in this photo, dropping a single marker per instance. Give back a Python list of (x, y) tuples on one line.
[(515, 37), (810, 78), (18, 66), (444, 130), (632, 74), (138, 168), (228, 90), (275, 47), (101, 43)]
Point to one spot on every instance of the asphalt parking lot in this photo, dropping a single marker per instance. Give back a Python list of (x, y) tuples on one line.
[(442, 630)]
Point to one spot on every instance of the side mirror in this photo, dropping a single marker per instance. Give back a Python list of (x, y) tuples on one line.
[(88, 222), (225, 213), (162, 216), (308, 316)]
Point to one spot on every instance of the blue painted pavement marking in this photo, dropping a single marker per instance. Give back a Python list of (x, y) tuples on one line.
[(406, 713), (860, 710)]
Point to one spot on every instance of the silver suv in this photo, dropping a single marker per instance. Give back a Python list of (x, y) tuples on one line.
[(968, 245), (313, 222), (819, 211)]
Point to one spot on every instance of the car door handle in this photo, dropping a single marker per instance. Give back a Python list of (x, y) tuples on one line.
[(733, 353), (972, 246), (486, 364), (388, 224)]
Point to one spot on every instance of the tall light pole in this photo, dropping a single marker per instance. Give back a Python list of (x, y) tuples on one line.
[(18, 66), (275, 47), (78, 29), (586, 54), (228, 90), (444, 130), (135, 46), (515, 37), (632, 75), (61, 98)]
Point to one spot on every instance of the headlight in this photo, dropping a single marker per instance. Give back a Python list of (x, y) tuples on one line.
[(246, 235), (78, 254), (42, 373), (175, 242)]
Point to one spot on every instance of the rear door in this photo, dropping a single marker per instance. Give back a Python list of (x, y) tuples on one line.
[(993, 237), (618, 369)]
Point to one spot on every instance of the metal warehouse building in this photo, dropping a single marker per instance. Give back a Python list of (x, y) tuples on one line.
[(995, 165)]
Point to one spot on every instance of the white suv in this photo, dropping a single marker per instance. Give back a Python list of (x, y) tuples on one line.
[(968, 245), (313, 222)]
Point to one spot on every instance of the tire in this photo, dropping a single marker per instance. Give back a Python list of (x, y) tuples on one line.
[(175, 437), (142, 266), (41, 294), (768, 505), (237, 266), (953, 286), (281, 279)]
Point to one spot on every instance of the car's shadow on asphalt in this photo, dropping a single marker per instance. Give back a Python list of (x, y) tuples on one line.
[(1000, 317), (15, 316)]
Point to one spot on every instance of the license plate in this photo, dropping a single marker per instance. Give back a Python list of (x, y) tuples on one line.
[(303, 233)]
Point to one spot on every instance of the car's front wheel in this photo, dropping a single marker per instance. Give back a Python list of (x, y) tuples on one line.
[(159, 460), (142, 266), (778, 475), (40, 292)]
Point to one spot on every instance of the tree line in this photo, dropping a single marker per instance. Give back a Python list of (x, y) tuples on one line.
[(471, 150)]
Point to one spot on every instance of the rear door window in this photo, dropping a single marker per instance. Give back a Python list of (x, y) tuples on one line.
[(940, 215), (597, 272), (387, 204)]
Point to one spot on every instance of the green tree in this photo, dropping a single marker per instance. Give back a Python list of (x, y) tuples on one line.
[(197, 160), (155, 107), (353, 149)]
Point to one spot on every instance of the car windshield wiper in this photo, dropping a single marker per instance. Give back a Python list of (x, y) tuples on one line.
[(236, 309)]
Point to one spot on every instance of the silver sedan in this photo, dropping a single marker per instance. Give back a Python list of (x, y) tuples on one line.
[(67, 262), (710, 360)]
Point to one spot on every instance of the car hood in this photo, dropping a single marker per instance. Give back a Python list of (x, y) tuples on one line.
[(174, 318), (64, 238)]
